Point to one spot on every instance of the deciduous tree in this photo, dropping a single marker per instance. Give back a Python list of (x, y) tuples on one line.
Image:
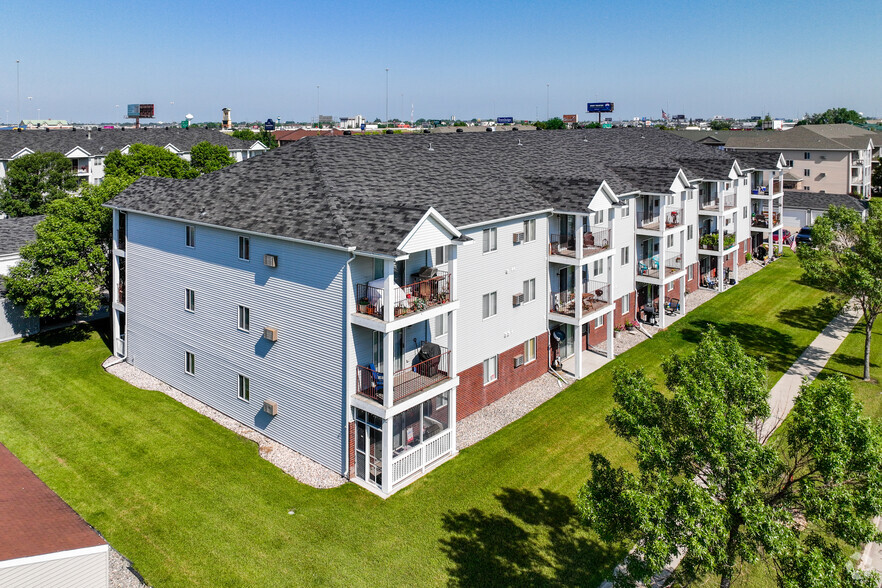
[(33, 181), (833, 116), (206, 157), (705, 484), (146, 160), (846, 257)]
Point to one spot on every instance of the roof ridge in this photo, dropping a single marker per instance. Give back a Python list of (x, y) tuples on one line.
[(328, 195)]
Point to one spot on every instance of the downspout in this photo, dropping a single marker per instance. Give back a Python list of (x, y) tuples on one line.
[(346, 373)]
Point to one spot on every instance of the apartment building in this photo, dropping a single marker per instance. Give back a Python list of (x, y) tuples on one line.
[(87, 149), (355, 298)]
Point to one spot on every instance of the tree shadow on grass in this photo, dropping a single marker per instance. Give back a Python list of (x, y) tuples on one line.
[(539, 541), (846, 360), (813, 318), (56, 336), (777, 347)]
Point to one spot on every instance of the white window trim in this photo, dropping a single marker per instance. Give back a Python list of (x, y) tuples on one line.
[(486, 366), (495, 310), (529, 288), (535, 350), (190, 235), (247, 328), (248, 240), (189, 365), (492, 240), (187, 306), (239, 387)]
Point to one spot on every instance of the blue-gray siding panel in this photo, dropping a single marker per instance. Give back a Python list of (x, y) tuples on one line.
[(303, 371)]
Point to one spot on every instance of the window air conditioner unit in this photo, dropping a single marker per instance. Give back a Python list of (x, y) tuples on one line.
[(270, 260), (271, 407), (518, 361), (517, 238), (517, 299), (271, 334)]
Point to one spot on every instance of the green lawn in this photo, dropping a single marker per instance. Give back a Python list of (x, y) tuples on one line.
[(191, 503)]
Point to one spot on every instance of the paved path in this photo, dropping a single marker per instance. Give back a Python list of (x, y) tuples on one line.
[(781, 398)]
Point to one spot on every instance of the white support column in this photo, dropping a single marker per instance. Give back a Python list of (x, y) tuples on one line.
[(452, 332), (610, 333), (452, 266), (578, 290), (114, 289), (387, 455), (580, 236), (577, 358), (683, 295), (735, 261), (662, 315), (389, 368), (720, 272), (388, 290)]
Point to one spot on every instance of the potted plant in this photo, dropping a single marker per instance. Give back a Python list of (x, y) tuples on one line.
[(363, 303), (616, 331), (629, 325)]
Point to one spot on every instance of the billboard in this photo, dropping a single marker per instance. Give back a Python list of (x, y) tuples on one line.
[(600, 106), (269, 125), (504, 120), (571, 118), (140, 111)]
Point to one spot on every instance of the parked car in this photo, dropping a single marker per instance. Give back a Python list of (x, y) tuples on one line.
[(804, 236), (785, 232)]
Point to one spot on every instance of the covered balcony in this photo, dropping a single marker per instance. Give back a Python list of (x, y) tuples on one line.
[(764, 219), (716, 205), (659, 219), (428, 367), (593, 241), (711, 241), (427, 289), (595, 296)]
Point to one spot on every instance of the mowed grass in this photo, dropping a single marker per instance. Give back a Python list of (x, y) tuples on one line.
[(192, 503)]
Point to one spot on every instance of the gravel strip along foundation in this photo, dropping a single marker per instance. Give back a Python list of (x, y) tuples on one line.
[(122, 574), (289, 461)]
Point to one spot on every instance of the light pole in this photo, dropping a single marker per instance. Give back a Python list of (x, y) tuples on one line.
[(317, 107), (116, 112), (30, 101), (387, 95), (18, 88), (547, 94)]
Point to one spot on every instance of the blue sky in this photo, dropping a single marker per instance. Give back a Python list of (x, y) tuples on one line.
[(467, 59)]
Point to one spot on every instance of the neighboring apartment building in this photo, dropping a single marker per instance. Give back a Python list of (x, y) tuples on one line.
[(357, 316), (15, 233), (803, 208), (87, 149), (823, 158)]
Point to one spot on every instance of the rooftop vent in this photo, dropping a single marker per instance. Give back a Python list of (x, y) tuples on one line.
[(347, 132), (430, 147), (458, 130), (388, 131), (520, 144)]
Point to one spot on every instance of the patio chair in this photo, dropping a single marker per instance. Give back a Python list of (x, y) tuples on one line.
[(377, 379), (672, 305)]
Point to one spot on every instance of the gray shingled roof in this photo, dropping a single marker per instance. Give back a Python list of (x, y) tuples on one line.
[(807, 137), (106, 140), (368, 192), (821, 200), (16, 232), (764, 160)]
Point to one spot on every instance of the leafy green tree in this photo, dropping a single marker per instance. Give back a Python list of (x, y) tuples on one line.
[(846, 257), (706, 486), (263, 136), (833, 116), (720, 125), (555, 123), (65, 270), (206, 157), (33, 181), (876, 178), (147, 160)]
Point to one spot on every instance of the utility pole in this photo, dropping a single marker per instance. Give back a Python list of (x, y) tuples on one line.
[(317, 107), (18, 88), (547, 94), (387, 95)]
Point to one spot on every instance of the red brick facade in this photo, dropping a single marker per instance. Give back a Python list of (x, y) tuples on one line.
[(352, 450), (472, 394)]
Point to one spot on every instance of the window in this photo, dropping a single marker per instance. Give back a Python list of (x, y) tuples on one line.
[(529, 290), (489, 240), (244, 319), (598, 267), (671, 287), (530, 350), (598, 322), (807, 155), (490, 369), (530, 230), (626, 208), (244, 388), (683, 196), (626, 304), (191, 236), (789, 163), (690, 274), (689, 233), (670, 240), (440, 325), (244, 248), (440, 255), (598, 217), (190, 362), (744, 214), (190, 303), (625, 255), (489, 304), (807, 188), (807, 172)]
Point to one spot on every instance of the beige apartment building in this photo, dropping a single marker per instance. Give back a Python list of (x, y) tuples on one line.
[(822, 158)]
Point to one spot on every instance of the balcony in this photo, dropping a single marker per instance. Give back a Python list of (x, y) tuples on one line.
[(80, 170), (718, 204), (415, 297), (673, 261), (593, 242), (369, 381), (652, 221), (711, 241), (760, 220), (121, 292), (763, 190), (595, 295)]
